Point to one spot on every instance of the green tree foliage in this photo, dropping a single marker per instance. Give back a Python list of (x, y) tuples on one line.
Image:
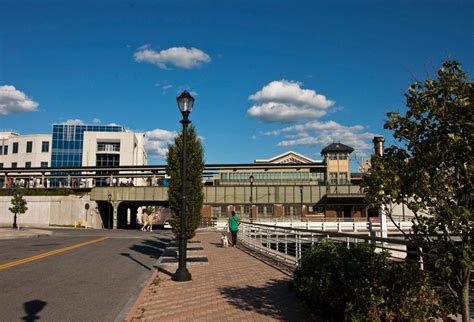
[(357, 284), (18, 205), (194, 185), (149, 210), (431, 172)]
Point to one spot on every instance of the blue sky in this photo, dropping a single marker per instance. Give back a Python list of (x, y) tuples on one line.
[(268, 76)]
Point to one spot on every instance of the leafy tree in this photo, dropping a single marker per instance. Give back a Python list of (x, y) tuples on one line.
[(18, 205), (194, 185), (431, 172)]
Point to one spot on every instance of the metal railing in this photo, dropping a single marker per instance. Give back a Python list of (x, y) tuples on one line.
[(348, 225), (287, 244)]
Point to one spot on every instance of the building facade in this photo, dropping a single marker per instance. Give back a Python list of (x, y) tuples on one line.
[(285, 192), (72, 145), (25, 151), (96, 145)]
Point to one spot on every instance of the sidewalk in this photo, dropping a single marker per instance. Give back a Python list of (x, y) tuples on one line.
[(13, 233), (232, 286)]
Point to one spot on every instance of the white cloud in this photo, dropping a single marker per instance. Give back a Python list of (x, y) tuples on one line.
[(95, 120), (285, 101), (73, 122), (176, 56), (157, 140), (324, 133), (13, 101)]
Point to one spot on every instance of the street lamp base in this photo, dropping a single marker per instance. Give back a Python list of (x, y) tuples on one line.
[(181, 275)]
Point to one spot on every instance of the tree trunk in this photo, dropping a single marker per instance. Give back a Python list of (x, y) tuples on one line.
[(465, 310), (14, 221)]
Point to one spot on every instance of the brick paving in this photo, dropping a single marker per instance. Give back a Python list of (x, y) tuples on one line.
[(233, 286)]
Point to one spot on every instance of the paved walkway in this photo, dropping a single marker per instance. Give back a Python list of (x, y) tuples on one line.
[(233, 286)]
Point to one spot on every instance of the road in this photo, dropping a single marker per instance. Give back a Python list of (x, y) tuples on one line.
[(64, 278)]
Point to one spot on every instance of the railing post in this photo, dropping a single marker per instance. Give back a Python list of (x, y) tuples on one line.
[(422, 265), (277, 248)]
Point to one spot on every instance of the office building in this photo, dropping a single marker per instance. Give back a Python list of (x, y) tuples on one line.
[(24, 151)]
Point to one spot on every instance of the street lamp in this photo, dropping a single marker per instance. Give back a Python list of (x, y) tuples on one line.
[(108, 215), (185, 104), (251, 179), (301, 200)]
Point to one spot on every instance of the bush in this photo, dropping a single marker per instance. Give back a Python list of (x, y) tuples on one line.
[(358, 284)]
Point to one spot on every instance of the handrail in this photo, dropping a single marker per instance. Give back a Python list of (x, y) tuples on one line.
[(287, 244), (336, 234)]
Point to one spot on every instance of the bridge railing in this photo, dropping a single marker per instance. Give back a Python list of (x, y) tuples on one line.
[(287, 244)]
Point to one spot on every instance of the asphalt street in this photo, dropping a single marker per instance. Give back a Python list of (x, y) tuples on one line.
[(94, 282)]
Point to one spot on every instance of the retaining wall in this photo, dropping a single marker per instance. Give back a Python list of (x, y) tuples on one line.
[(53, 210)]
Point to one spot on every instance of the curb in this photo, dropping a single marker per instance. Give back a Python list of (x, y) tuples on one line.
[(142, 294), (32, 235), (140, 298)]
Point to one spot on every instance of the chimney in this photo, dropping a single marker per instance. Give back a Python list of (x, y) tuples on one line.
[(378, 145)]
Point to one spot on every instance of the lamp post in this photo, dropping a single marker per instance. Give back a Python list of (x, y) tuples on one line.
[(185, 104), (301, 201), (108, 215), (251, 179)]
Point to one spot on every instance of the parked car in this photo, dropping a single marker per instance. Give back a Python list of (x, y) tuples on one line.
[(166, 224)]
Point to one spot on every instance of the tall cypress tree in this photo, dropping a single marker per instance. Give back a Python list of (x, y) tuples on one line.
[(194, 185)]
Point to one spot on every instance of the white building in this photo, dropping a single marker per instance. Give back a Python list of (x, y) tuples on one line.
[(72, 145), (25, 151)]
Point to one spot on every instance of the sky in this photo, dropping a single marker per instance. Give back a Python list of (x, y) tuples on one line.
[(267, 76)]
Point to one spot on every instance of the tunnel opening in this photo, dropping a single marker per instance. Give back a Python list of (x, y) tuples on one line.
[(128, 213)]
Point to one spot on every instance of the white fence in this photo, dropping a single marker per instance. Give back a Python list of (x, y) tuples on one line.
[(287, 244)]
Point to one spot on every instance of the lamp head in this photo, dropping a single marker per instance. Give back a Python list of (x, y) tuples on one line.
[(185, 102), (251, 178)]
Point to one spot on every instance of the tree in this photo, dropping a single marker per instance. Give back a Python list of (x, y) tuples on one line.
[(194, 185), (18, 206), (431, 172)]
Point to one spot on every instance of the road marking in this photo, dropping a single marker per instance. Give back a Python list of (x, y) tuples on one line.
[(50, 253)]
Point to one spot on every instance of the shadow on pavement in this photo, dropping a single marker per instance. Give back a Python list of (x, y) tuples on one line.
[(135, 260), (32, 308), (152, 248), (164, 271), (149, 247), (266, 300)]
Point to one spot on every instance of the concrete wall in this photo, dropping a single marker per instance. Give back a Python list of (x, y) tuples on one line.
[(53, 210)]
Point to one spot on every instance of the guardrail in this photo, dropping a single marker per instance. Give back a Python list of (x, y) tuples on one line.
[(287, 244), (354, 225)]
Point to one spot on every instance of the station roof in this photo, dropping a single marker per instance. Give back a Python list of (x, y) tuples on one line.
[(336, 147)]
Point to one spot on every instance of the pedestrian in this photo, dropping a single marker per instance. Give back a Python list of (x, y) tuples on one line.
[(144, 219), (150, 222), (234, 223)]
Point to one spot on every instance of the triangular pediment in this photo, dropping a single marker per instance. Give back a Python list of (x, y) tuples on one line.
[(289, 157)]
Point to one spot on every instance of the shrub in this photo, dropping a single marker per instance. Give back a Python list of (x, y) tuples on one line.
[(358, 284)]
